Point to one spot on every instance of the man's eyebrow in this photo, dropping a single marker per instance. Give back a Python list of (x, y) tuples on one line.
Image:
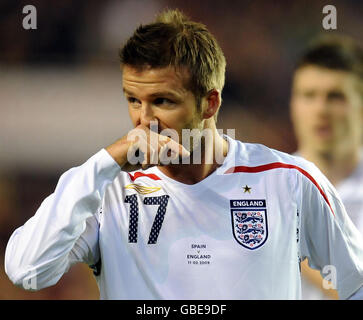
[(155, 94), (127, 92), (164, 94)]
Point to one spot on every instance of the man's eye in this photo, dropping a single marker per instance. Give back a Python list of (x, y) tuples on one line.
[(132, 100), (159, 101), (309, 94), (336, 96)]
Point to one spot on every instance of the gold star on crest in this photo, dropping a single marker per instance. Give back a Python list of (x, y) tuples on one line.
[(246, 188)]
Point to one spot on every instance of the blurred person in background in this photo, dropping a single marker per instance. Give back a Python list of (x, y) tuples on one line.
[(327, 114)]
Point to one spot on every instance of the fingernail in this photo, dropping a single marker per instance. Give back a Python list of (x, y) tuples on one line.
[(185, 153)]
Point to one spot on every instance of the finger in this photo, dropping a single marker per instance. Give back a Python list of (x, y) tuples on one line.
[(164, 157), (177, 149), (133, 153), (153, 156)]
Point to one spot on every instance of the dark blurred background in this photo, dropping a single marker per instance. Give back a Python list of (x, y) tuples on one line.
[(61, 98)]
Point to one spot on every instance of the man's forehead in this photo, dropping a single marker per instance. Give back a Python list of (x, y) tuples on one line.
[(310, 76), (155, 82), (148, 74), (322, 72)]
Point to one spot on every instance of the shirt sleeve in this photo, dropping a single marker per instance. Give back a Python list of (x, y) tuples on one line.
[(64, 230), (86, 248), (358, 295), (329, 239)]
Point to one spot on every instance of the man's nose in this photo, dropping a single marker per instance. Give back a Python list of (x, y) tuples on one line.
[(147, 114), (322, 105)]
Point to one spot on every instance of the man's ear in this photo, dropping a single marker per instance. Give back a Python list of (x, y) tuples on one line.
[(212, 102)]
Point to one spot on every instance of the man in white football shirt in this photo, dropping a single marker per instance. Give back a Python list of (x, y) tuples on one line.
[(327, 113), (234, 225)]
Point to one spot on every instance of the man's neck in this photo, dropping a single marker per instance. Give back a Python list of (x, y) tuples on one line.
[(336, 167), (194, 173)]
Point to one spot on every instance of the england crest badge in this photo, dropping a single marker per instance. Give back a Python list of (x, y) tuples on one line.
[(249, 222)]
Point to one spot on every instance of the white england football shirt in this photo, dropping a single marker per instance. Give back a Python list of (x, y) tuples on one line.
[(238, 234), (350, 191)]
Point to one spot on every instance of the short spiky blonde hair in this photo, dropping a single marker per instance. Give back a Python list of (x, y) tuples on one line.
[(173, 39)]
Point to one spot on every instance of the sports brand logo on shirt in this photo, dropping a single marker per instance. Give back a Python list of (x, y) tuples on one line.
[(142, 189), (249, 222)]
